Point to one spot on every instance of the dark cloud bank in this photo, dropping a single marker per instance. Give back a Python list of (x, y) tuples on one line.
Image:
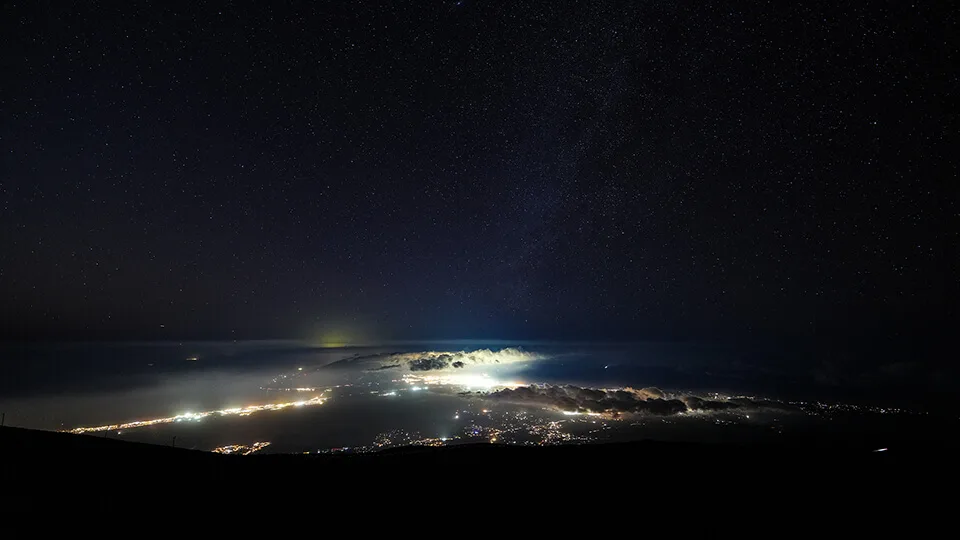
[(626, 400)]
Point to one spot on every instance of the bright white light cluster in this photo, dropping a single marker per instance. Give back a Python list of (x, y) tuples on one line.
[(196, 417), (470, 381)]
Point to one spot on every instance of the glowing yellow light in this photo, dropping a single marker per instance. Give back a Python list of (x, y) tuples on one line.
[(242, 449)]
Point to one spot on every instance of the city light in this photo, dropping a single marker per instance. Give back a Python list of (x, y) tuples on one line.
[(196, 417), (241, 449), (510, 428)]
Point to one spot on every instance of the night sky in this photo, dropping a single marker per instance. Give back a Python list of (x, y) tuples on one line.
[(421, 169)]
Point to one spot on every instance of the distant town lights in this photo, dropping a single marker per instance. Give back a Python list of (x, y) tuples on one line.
[(245, 411)]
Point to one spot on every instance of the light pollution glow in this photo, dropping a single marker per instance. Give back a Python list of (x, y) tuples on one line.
[(196, 417), (415, 382), (466, 380)]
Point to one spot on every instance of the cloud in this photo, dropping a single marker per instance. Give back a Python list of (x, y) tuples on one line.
[(388, 366), (694, 403), (439, 360), (648, 392), (625, 400)]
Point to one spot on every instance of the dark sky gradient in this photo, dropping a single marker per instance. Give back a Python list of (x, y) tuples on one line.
[(421, 169)]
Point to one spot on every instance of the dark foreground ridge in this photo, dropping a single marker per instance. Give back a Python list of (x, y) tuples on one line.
[(54, 457)]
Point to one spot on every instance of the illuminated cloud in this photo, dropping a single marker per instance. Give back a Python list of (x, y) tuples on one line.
[(439, 360), (468, 381)]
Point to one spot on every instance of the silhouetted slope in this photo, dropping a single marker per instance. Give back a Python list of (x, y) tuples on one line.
[(50, 454)]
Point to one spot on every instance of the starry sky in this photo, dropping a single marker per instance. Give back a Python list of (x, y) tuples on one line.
[(437, 169)]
